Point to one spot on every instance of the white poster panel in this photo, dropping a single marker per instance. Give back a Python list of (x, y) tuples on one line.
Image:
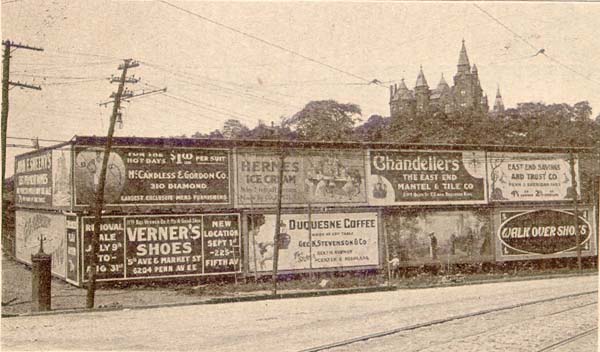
[(338, 240), (522, 177), (61, 177), (30, 227)]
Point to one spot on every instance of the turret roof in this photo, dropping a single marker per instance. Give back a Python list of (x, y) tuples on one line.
[(463, 59), (421, 81)]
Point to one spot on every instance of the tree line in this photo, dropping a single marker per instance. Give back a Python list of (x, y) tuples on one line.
[(531, 124)]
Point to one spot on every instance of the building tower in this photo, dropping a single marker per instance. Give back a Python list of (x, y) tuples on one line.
[(464, 94), (422, 92), (498, 103)]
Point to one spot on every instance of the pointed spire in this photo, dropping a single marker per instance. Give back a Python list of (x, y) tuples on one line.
[(443, 85), (421, 81), (474, 69), (463, 59), (498, 103), (402, 85)]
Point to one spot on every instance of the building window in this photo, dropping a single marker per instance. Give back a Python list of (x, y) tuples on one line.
[(463, 92)]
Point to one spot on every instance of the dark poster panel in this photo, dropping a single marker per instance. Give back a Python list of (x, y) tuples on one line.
[(543, 233), (33, 180), (135, 247), (154, 176), (110, 251), (424, 237), (426, 177), (222, 250), (164, 246)]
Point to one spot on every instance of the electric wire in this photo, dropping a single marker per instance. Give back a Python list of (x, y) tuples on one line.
[(246, 34)]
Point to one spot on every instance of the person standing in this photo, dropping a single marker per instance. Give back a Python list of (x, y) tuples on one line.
[(433, 246)]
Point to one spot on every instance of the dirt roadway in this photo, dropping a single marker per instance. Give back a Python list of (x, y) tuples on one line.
[(289, 325)]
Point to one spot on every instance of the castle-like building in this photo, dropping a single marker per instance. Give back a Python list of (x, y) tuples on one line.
[(466, 93)]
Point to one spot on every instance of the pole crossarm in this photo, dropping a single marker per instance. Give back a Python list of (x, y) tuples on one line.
[(126, 98), (24, 85), (20, 46)]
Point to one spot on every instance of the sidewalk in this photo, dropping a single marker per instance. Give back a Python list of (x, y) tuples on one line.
[(16, 294)]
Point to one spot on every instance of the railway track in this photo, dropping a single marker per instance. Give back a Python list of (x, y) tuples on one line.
[(569, 340), (394, 331)]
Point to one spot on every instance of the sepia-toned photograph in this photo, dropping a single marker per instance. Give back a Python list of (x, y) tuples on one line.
[(300, 175)]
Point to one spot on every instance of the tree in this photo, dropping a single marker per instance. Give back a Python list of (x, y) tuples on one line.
[(373, 130), (233, 129), (325, 120)]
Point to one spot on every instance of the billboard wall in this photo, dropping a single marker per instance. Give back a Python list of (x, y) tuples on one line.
[(30, 227), (543, 233), (520, 177), (154, 176), (317, 177), (156, 246), (33, 180), (336, 240), (428, 237), (426, 177)]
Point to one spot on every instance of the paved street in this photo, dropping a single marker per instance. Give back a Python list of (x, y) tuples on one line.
[(297, 324)]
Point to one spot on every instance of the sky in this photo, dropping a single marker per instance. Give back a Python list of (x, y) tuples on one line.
[(259, 61)]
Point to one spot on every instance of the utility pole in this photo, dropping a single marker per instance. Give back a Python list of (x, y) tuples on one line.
[(576, 210), (278, 220), (91, 289), (8, 45)]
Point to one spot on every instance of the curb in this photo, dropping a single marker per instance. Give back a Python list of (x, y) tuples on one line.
[(216, 300), (500, 280)]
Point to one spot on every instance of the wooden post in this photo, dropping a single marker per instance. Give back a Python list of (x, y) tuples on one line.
[(576, 210), (387, 251), (253, 240), (277, 221), (310, 275)]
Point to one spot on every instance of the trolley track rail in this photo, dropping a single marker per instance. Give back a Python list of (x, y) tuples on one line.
[(569, 340), (456, 317)]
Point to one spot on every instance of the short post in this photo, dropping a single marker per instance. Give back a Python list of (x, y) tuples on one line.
[(41, 279)]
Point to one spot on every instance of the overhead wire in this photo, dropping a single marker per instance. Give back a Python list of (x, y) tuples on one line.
[(536, 49), (266, 42)]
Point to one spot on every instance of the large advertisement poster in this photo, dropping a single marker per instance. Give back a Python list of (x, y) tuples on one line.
[(61, 177), (154, 176), (439, 237), (31, 227), (340, 240), (317, 177), (33, 180), (518, 177), (544, 233), (155, 246), (426, 177)]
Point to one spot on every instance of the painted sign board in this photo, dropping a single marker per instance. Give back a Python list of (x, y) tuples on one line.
[(33, 180), (319, 177), (154, 176), (157, 246), (543, 233), (42, 179), (528, 177), (431, 237), (397, 177), (336, 240), (31, 226)]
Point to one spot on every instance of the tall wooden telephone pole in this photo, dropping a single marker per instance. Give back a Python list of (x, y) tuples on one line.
[(6, 83), (99, 203)]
